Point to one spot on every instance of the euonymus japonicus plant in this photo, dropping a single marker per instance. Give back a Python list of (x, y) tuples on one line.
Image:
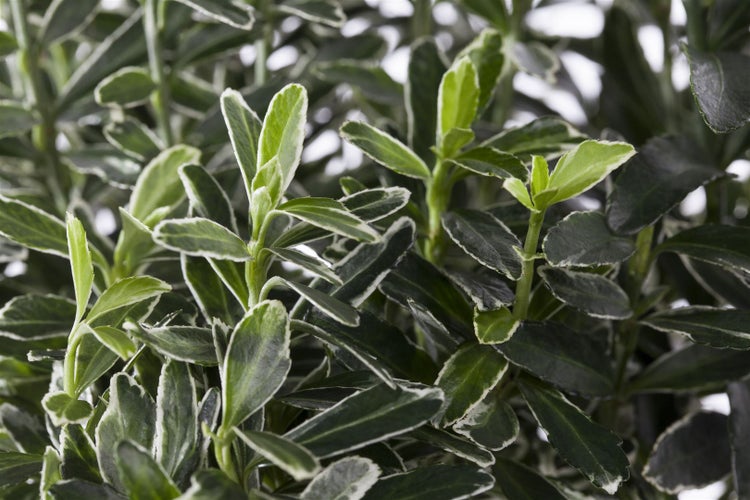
[(493, 315)]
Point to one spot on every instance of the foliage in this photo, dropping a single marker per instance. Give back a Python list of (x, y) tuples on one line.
[(257, 325)]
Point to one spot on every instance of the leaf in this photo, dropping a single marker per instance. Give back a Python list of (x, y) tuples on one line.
[(455, 445), (467, 377), (244, 128), (31, 227), (433, 482), (314, 265), (720, 328), (548, 135), (345, 479), (133, 138), (425, 71), (330, 215), (692, 453), (726, 246), (176, 419), (78, 488), (206, 287), (487, 290), (495, 326), (127, 292), (536, 59), (65, 409), (127, 87), (78, 455), (80, 263), (557, 354), (234, 14), (191, 344), (207, 198), (580, 169), (15, 119), (520, 482), (665, 171), (369, 80), (331, 306), (141, 476), (63, 19), (486, 51), (589, 447), (486, 239), (693, 368), (717, 80), (591, 293), (491, 423), (290, 457), (256, 363), (92, 358), (116, 341), (385, 149), (201, 237), (159, 183), (458, 100), (584, 239), (490, 162), (18, 467), (36, 317), (283, 131), (370, 416), (327, 12), (209, 484), (50, 472), (739, 402), (25, 429), (8, 44)]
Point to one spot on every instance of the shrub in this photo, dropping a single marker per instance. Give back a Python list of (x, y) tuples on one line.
[(486, 306)]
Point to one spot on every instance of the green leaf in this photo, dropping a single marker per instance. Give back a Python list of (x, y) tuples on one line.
[(726, 246), (127, 292), (591, 293), (327, 12), (18, 467), (236, 15), (31, 227), (133, 138), (665, 171), (456, 445), (283, 131), (458, 99), (15, 119), (78, 488), (50, 474), (290, 457), (717, 80), (467, 377), (244, 128), (486, 239), (115, 168), (92, 358), (25, 429), (536, 59), (8, 44), (331, 306), (557, 354), (721, 328), (207, 198), (370, 416), (314, 265), (80, 263), (206, 287), (372, 81), (487, 53), (490, 162), (580, 169), (191, 344), (494, 326), (116, 341), (134, 243), (548, 135), (739, 432), (433, 482), (210, 484), (345, 479), (584, 239), (519, 482), (141, 475), (696, 368), (454, 140), (518, 190), (589, 447), (201, 237), (78, 455), (159, 184), (486, 290), (385, 149), (539, 175), (127, 87), (692, 453), (331, 215), (256, 363), (491, 423), (63, 18), (130, 415), (176, 419), (36, 317), (425, 71), (64, 409)]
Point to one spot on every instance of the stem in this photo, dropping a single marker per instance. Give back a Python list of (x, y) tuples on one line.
[(223, 454), (438, 197), (523, 288), (262, 48), (422, 20), (160, 99)]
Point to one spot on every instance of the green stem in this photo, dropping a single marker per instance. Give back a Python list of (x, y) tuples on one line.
[(69, 385), (223, 454), (160, 99), (523, 287), (422, 19), (262, 49), (438, 197)]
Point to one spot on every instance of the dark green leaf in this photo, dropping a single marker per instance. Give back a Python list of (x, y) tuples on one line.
[(331, 215), (589, 447), (386, 150), (434, 482), (739, 433), (492, 423), (15, 118), (692, 453), (491, 162), (345, 479), (31, 227), (210, 484), (584, 239), (92, 358), (289, 456), (25, 429), (331, 306), (201, 237), (519, 482), (176, 418), (326, 12), (207, 198), (495, 326), (426, 68), (133, 138), (487, 290), (78, 455), (18, 467), (561, 356), (141, 475), (456, 445), (234, 14), (591, 293), (8, 44), (371, 80), (37, 317), (127, 292), (486, 239), (64, 18), (718, 81), (721, 328), (191, 344), (727, 246), (314, 265), (536, 59), (78, 488), (127, 87), (244, 131), (206, 287), (548, 135), (367, 417), (113, 167)]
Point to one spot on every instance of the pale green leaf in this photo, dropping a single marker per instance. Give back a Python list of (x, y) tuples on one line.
[(289, 456), (31, 227), (244, 128), (458, 97), (127, 87), (235, 14), (126, 292), (345, 479), (331, 215), (494, 326), (80, 264), (63, 18), (201, 237)]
